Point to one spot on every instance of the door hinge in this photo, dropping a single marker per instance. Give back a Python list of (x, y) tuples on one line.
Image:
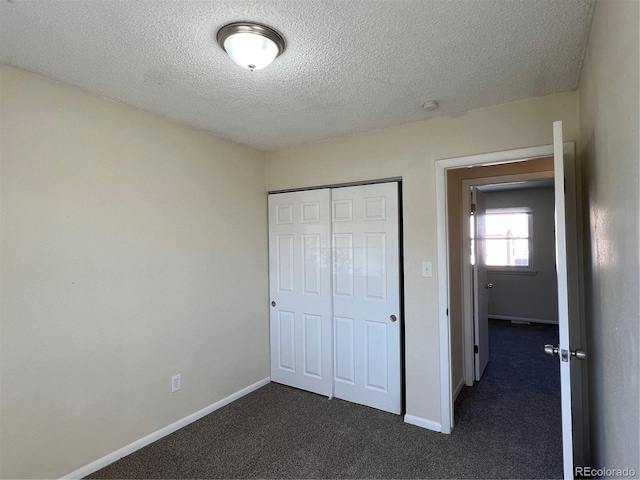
[(447, 312), (473, 208), (475, 349)]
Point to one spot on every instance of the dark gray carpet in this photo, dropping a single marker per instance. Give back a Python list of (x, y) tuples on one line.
[(507, 426)]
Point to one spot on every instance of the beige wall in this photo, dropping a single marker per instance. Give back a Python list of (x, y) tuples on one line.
[(609, 132), (132, 249), (409, 152)]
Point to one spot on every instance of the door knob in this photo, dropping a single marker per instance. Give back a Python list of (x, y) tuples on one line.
[(273, 304), (393, 318), (553, 350), (488, 285), (579, 354)]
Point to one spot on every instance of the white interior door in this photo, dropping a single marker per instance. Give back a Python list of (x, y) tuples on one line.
[(300, 290), (480, 286), (366, 300), (566, 355)]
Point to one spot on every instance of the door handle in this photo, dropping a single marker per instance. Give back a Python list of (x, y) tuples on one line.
[(579, 354), (488, 285), (392, 318), (553, 350)]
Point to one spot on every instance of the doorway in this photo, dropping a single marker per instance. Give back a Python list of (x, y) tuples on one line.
[(510, 309), (461, 298), (508, 258), (565, 194), (513, 298), (517, 186)]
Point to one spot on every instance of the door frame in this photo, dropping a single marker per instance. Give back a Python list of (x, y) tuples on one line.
[(468, 319), (442, 229)]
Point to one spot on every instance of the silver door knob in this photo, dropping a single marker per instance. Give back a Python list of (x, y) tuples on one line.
[(488, 285), (273, 304), (553, 350), (579, 354), (393, 318)]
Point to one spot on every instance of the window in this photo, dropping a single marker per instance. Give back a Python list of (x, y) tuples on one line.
[(508, 237)]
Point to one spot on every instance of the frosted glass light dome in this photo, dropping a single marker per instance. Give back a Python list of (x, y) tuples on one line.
[(250, 45)]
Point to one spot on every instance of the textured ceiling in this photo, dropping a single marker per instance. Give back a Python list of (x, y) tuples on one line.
[(350, 65)]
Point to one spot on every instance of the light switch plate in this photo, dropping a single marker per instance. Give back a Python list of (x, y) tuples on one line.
[(427, 269)]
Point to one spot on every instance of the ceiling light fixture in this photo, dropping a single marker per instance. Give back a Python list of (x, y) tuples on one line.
[(251, 45)]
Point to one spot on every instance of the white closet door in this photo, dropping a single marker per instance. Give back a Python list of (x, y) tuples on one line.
[(300, 289), (366, 303)]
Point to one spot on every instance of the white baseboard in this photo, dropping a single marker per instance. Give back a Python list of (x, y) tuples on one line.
[(423, 422), (163, 432), (456, 391), (523, 319)]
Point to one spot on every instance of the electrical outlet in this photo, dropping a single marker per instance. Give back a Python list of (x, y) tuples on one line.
[(176, 382), (427, 270)]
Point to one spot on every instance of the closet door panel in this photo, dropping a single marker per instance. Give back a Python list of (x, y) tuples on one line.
[(366, 290), (300, 290)]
